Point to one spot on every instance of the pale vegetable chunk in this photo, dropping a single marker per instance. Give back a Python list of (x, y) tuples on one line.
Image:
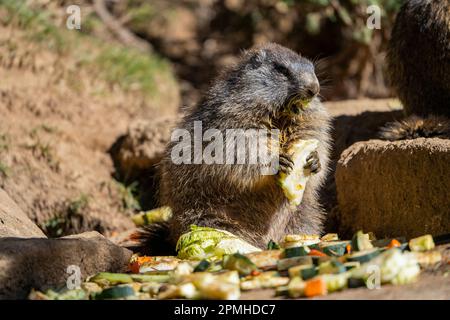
[(294, 184)]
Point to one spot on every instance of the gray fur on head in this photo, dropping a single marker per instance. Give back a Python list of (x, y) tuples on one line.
[(265, 78)]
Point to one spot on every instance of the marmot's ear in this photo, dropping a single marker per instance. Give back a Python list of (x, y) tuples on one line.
[(257, 59)]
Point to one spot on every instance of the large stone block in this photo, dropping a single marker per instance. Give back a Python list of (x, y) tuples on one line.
[(42, 263), (397, 188)]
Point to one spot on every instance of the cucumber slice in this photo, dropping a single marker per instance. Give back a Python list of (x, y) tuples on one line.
[(334, 248), (363, 256), (238, 262), (202, 266), (351, 265), (318, 260), (361, 241), (422, 243), (355, 282), (287, 263), (305, 272), (331, 267), (385, 242), (272, 245), (296, 252), (115, 293)]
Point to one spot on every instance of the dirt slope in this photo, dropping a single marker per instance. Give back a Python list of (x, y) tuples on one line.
[(59, 115)]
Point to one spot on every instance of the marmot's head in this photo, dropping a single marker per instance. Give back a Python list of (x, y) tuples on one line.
[(271, 77)]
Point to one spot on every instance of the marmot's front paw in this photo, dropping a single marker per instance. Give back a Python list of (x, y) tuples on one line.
[(286, 163), (313, 162)]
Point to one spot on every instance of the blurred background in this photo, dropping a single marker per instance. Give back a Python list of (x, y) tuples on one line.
[(86, 112)]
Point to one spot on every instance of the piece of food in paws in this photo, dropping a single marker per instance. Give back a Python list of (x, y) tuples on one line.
[(294, 183)]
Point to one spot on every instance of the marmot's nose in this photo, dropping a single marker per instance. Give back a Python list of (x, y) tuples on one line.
[(312, 89)]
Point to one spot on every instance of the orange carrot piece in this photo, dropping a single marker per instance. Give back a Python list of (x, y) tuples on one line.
[(315, 287), (316, 253), (136, 264), (255, 273), (348, 248), (394, 243)]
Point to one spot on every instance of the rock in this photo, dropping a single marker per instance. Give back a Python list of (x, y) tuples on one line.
[(41, 263), (394, 188), (353, 121), (142, 147), (14, 222)]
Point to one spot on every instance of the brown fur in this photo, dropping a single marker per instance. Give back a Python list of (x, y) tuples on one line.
[(416, 127), (418, 63), (419, 57), (237, 198)]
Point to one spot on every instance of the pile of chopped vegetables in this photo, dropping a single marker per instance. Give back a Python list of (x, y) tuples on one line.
[(300, 266)]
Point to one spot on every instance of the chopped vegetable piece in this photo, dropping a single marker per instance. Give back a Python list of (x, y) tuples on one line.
[(286, 263), (316, 253), (315, 287), (269, 279), (265, 259), (299, 240), (351, 265), (272, 245), (296, 287), (294, 184), (202, 266), (361, 241), (428, 258), (336, 282), (156, 215), (330, 237), (305, 272), (238, 262), (208, 243), (422, 243), (115, 293), (331, 266), (355, 282), (348, 248), (296, 251), (334, 248), (394, 243), (364, 256), (136, 262)]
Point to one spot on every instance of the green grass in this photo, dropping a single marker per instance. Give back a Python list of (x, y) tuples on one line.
[(58, 225), (116, 64), (4, 169), (130, 195)]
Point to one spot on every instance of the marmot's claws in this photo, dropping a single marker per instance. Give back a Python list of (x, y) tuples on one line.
[(286, 163), (313, 162)]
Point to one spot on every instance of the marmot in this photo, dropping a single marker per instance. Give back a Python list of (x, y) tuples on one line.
[(252, 94), (418, 65)]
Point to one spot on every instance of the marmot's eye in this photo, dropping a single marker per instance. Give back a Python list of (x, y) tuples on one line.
[(282, 69)]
